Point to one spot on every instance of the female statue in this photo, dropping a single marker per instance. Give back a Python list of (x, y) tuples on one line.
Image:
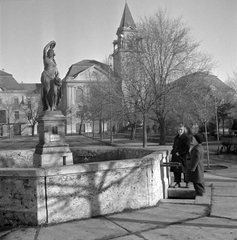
[(50, 81)]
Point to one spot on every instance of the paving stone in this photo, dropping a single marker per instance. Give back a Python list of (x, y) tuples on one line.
[(221, 178), (225, 191), (130, 237), (211, 222), (4, 233), (206, 198), (91, 229), (178, 232), (224, 207), (21, 234), (4, 230), (201, 228), (150, 218), (191, 208)]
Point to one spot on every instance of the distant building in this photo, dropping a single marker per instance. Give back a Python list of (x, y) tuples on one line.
[(203, 81), (83, 73), (75, 88), (14, 101)]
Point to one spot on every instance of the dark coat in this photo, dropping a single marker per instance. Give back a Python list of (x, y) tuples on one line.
[(181, 145), (195, 165)]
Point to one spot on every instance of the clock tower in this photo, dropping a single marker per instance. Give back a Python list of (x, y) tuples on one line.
[(126, 28)]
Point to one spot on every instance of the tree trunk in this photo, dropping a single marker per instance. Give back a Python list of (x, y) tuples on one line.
[(223, 126), (101, 130), (33, 130), (133, 131), (93, 129), (144, 131), (162, 131), (80, 128)]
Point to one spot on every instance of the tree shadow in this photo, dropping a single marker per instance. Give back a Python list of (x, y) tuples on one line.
[(97, 189)]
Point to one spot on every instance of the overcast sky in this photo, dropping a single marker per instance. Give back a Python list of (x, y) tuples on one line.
[(85, 29)]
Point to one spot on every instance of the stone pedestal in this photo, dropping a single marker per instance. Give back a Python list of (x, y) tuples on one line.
[(52, 150)]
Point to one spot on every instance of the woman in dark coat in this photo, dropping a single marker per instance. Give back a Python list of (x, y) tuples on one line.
[(195, 172), (180, 153)]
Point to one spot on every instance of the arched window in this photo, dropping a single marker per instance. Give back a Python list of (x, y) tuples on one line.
[(79, 95)]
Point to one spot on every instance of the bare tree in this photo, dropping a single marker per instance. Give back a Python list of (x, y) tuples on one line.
[(31, 109), (136, 89), (167, 53), (10, 107)]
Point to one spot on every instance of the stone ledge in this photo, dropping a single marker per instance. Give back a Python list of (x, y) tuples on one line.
[(178, 201), (22, 172), (187, 196), (99, 166)]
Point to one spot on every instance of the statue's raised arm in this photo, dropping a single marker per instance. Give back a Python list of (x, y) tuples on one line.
[(50, 45), (51, 83)]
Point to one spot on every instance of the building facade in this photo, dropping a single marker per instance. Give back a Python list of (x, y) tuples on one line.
[(17, 102), (81, 75), (76, 89)]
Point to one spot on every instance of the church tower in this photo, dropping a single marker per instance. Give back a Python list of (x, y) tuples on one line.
[(126, 28)]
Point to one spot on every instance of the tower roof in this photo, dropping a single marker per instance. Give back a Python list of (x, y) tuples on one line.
[(127, 21)]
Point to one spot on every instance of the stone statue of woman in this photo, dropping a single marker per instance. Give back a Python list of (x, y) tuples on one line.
[(50, 82)]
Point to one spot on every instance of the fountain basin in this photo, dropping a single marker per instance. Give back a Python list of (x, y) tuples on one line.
[(34, 196)]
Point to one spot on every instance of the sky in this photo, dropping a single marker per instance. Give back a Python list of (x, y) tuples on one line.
[(85, 29)]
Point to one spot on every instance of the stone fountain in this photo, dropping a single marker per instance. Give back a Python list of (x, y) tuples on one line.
[(54, 186)]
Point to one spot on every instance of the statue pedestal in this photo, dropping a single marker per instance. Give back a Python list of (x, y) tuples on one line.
[(52, 150)]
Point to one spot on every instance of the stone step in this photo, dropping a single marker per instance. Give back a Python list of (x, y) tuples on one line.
[(188, 196), (181, 193), (178, 201)]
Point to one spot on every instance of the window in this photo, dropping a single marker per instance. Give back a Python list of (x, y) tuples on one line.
[(79, 95), (17, 115), (16, 101), (3, 116), (55, 130)]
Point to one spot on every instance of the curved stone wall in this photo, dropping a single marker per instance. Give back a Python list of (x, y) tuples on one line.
[(57, 194)]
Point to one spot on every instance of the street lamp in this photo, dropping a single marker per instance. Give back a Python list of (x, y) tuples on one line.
[(206, 137), (110, 98), (214, 89)]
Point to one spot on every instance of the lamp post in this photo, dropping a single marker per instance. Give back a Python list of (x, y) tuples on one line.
[(217, 128), (206, 137), (110, 99), (214, 89)]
